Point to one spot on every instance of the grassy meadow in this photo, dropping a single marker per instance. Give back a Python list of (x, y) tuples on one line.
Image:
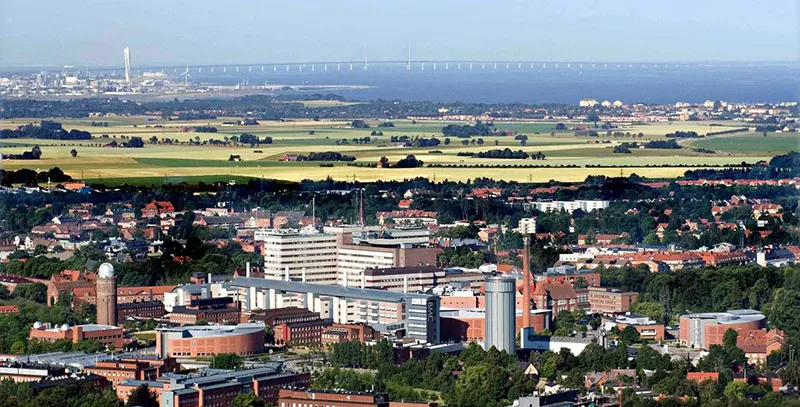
[(157, 163)]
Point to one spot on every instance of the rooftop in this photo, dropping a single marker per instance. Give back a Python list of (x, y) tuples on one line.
[(327, 290), (194, 331), (730, 316)]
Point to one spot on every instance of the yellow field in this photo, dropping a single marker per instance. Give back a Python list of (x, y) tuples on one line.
[(294, 137)]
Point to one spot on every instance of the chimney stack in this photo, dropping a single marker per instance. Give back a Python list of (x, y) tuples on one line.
[(526, 281)]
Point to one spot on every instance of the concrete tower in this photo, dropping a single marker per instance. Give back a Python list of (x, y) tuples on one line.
[(127, 53), (106, 295), (501, 312)]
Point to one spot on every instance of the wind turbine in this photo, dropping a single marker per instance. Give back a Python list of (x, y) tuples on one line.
[(186, 77)]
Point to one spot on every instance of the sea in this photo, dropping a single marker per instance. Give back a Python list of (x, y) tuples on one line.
[(533, 83)]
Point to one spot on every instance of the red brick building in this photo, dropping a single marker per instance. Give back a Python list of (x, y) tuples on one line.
[(212, 310), (108, 335), (211, 340), (338, 333), (116, 372), (145, 310), (610, 301), (555, 297), (157, 208), (330, 398)]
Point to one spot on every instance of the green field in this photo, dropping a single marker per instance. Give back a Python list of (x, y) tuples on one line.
[(157, 163), (752, 143)]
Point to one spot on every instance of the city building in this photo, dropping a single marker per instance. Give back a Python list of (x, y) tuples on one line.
[(757, 344), (338, 333), (569, 275), (217, 387), (648, 329), (610, 301), (330, 398), (220, 310), (140, 310), (567, 206), (29, 372), (469, 324), (555, 297), (106, 295), (107, 334), (211, 340), (500, 313), (405, 279), (705, 329), (308, 257), (530, 341), (116, 372), (392, 313)]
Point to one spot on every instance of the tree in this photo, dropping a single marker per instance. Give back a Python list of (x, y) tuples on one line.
[(791, 373), (35, 292), (593, 117), (73, 152), (227, 361), (142, 396), (735, 390), (247, 400)]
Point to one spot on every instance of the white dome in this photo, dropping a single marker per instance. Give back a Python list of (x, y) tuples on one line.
[(37, 325), (106, 270), (65, 327)]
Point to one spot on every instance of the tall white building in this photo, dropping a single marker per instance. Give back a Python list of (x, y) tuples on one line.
[(309, 256)]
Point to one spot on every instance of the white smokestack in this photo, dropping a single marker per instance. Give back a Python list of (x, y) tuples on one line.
[(286, 277), (304, 274), (363, 281), (247, 268), (405, 284)]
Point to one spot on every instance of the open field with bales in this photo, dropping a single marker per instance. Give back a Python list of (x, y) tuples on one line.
[(173, 152)]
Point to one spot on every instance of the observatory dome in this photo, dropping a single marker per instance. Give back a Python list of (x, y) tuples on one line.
[(106, 270)]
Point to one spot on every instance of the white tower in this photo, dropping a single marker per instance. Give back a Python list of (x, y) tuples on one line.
[(127, 53)]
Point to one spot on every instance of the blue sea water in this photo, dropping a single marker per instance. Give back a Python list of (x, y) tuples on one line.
[(631, 84)]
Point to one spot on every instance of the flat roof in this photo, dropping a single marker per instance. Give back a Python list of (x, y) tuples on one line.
[(327, 290), (730, 316), (207, 331)]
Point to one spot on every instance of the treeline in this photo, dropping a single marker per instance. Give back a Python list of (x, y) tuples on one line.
[(202, 129), (326, 156), (466, 131), (48, 130), (683, 134), (504, 153), (34, 154), (252, 139), (32, 178), (781, 166), (730, 131)]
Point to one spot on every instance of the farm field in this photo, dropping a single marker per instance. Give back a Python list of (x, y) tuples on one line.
[(752, 143), (181, 161)]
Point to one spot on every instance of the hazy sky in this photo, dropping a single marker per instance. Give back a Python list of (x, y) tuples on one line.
[(236, 31)]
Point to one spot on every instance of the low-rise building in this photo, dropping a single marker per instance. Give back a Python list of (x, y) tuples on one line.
[(211, 340), (610, 301), (116, 372), (143, 310), (106, 334), (330, 398), (648, 329), (338, 333), (705, 329), (213, 310)]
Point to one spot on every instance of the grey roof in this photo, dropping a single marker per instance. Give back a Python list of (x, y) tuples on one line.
[(326, 290), (207, 331)]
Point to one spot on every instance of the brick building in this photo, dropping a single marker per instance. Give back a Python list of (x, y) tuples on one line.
[(330, 398), (211, 340), (610, 301), (555, 297), (116, 372), (338, 333), (157, 208), (213, 310), (146, 310), (108, 335)]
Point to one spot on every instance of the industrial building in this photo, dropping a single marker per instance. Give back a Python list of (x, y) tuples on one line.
[(106, 334), (392, 313), (501, 312)]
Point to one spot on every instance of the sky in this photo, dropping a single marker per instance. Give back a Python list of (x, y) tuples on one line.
[(177, 32)]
